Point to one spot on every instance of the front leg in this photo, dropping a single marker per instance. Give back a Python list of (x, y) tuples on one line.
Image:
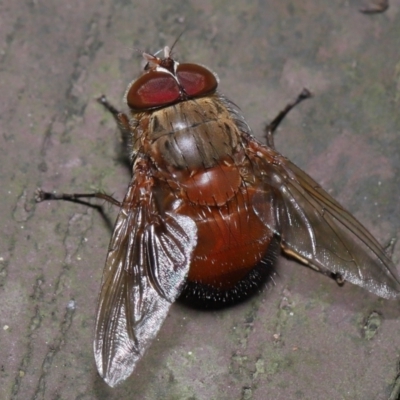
[(273, 125)]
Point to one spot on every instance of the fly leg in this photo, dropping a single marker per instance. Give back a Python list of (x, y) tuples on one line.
[(336, 276), (123, 124), (271, 127), (121, 118), (124, 127), (40, 196)]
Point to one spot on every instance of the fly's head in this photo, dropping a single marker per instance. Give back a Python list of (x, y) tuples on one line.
[(165, 82)]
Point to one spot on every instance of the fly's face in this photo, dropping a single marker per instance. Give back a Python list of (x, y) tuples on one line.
[(207, 212)]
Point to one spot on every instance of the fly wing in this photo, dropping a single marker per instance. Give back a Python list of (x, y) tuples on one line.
[(146, 266), (317, 230)]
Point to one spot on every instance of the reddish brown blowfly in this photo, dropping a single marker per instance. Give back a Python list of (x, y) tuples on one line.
[(207, 213)]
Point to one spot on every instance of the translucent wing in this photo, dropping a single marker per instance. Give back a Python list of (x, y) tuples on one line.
[(147, 263), (316, 230)]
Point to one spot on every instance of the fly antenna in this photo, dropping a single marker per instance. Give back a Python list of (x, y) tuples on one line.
[(176, 41)]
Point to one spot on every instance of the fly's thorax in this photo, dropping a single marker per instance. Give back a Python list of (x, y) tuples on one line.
[(192, 134)]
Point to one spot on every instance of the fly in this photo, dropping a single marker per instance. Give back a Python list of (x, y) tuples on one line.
[(207, 212)]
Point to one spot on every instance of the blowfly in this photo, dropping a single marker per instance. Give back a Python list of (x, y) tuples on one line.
[(207, 212)]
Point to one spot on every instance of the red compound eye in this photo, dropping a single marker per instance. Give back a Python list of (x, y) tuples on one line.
[(157, 88), (154, 89), (196, 80)]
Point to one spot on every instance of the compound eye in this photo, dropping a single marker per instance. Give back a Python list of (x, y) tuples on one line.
[(152, 90), (196, 80)]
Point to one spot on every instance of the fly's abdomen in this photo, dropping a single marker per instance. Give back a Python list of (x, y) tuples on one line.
[(234, 255)]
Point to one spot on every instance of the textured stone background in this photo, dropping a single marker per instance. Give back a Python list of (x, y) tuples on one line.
[(304, 337)]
